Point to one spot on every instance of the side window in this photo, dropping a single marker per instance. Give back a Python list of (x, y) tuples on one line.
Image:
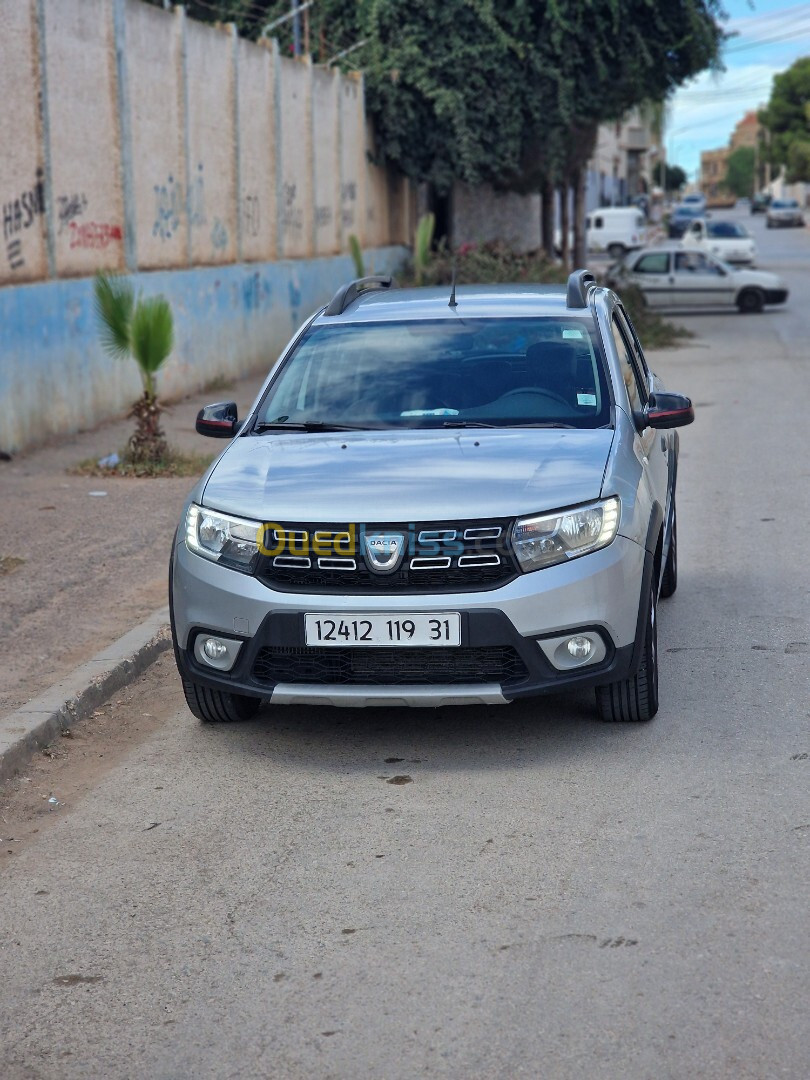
[(598, 223), (653, 264), (638, 352), (627, 362), (693, 262)]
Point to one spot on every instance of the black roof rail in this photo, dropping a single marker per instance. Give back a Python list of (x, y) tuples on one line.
[(346, 293), (578, 284)]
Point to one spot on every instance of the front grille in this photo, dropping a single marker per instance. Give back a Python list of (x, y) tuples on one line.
[(386, 666), (440, 557)]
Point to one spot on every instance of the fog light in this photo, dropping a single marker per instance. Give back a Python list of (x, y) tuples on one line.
[(580, 647), (565, 652), (214, 649), (216, 652)]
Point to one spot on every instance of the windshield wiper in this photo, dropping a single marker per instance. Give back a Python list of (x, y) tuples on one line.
[(548, 424), (308, 425), (467, 423)]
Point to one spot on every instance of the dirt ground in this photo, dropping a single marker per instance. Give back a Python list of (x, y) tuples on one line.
[(77, 569), (74, 763)]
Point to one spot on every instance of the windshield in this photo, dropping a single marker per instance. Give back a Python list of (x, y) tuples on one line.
[(726, 228), (442, 373)]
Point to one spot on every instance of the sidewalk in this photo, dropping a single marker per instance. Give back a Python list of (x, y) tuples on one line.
[(93, 566)]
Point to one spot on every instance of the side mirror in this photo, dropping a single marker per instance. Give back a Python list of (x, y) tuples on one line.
[(666, 411), (218, 421)]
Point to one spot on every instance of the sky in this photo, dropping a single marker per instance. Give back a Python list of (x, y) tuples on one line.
[(770, 35)]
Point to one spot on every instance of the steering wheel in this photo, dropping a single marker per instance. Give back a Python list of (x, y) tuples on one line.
[(550, 394)]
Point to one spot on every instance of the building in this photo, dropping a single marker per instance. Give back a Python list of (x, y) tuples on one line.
[(746, 133), (713, 171)]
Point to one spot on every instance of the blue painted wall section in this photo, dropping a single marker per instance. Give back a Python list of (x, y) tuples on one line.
[(229, 321)]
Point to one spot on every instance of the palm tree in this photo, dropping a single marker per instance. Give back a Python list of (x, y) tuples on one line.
[(144, 330)]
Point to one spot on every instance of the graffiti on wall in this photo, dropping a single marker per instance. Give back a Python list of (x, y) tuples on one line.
[(250, 215), (68, 208), (219, 235), (170, 204), (292, 214), (168, 208), (93, 234), (19, 213), (323, 216), (348, 196)]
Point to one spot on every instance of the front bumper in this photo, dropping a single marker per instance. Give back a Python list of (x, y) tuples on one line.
[(600, 593), (776, 296)]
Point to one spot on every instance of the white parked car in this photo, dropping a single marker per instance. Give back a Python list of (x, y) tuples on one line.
[(672, 276), (730, 240), (783, 212)]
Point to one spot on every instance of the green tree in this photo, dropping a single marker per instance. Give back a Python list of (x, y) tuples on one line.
[(512, 92), (669, 177), (144, 330), (786, 118), (740, 167)]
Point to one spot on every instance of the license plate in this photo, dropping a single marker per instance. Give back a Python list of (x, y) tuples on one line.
[(437, 628)]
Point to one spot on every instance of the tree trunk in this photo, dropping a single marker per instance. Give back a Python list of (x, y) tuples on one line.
[(565, 223), (547, 217), (580, 249), (148, 443)]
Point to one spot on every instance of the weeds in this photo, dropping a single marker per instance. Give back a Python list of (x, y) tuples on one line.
[(172, 463)]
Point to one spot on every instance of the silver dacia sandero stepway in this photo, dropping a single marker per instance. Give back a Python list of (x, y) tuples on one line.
[(440, 497)]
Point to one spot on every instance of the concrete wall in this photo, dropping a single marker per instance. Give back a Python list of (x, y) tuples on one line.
[(256, 97), (23, 255), (211, 133), (134, 138), (229, 320), (84, 137), (326, 160), (153, 52), (482, 215)]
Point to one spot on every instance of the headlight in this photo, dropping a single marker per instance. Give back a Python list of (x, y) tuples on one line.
[(231, 541), (555, 538)]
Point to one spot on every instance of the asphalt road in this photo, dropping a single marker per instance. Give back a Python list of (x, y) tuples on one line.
[(547, 897)]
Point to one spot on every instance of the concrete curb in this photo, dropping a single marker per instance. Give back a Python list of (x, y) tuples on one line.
[(75, 697)]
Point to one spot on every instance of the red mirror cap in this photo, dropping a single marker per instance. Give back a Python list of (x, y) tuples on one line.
[(218, 421), (671, 417), (216, 429)]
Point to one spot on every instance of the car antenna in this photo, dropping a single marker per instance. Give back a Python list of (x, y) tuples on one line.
[(452, 303)]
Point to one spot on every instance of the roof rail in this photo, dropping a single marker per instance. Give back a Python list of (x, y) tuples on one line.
[(578, 284), (347, 293)]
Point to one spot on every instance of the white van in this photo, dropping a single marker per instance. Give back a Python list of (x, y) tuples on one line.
[(616, 230)]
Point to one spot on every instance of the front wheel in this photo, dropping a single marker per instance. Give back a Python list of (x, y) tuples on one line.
[(616, 251), (750, 302), (635, 699), (218, 706)]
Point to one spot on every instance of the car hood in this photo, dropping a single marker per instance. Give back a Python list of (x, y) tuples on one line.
[(759, 277), (407, 476)]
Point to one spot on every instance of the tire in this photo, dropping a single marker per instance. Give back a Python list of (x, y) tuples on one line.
[(218, 706), (616, 251), (635, 700), (669, 578), (750, 302)]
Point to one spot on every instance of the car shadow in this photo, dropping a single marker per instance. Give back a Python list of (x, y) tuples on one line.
[(395, 741)]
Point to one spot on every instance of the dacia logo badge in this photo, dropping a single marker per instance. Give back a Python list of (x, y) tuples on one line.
[(384, 551)]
